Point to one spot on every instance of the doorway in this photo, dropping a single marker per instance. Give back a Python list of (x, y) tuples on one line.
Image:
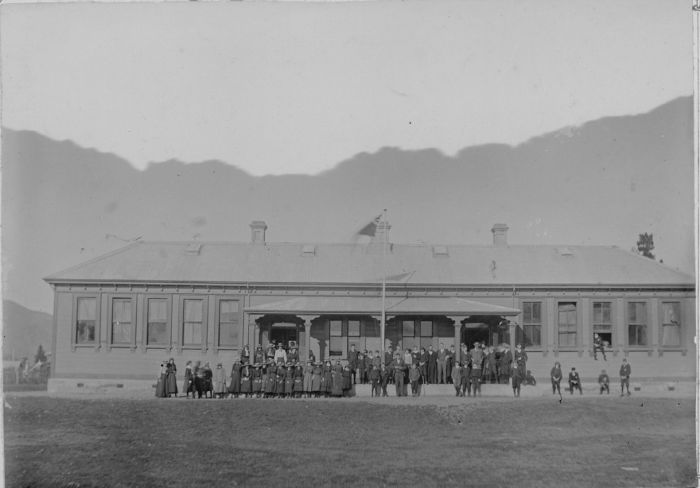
[(284, 334), (475, 332)]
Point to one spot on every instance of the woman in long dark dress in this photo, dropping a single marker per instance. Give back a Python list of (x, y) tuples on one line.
[(337, 380), (160, 385), (316, 379), (246, 386), (308, 376), (298, 381), (271, 383), (234, 388), (327, 385), (257, 380), (289, 381), (281, 376), (171, 378), (188, 383), (207, 375), (347, 380)]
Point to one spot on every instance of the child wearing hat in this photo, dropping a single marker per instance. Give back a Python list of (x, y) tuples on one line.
[(574, 381), (415, 379)]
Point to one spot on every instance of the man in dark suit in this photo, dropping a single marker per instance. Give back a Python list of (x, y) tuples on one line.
[(505, 363), (385, 374), (477, 357), (451, 360), (352, 362), (388, 356), (520, 358), (399, 372), (423, 364), (625, 372), (442, 364)]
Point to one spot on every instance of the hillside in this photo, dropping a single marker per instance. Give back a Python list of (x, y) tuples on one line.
[(24, 330), (602, 183)]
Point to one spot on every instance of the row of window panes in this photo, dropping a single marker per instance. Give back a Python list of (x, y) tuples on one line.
[(157, 322), (530, 333), (410, 333)]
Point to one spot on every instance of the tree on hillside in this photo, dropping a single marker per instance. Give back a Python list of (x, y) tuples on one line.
[(40, 355), (645, 244)]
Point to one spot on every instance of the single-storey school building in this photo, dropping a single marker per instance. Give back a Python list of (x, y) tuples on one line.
[(117, 317)]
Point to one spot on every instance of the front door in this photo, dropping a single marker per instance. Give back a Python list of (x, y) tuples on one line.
[(475, 332), (283, 335)]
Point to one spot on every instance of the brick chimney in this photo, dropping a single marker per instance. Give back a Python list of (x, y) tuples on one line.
[(257, 231), (500, 235)]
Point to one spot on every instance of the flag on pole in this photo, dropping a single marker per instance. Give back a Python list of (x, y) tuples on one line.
[(400, 277), (371, 228)]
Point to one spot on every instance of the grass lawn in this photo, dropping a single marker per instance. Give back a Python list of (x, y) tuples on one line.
[(587, 441)]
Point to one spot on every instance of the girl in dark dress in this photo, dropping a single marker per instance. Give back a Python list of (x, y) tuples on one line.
[(188, 383), (316, 379), (207, 375), (257, 380), (298, 381), (281, 376), (337, 380), (308, 377), (246, 385), (360, 368), (271, 384), (327, 383), (289, 381), (171, 378), (160, 385), (347, 380), (234, 387)]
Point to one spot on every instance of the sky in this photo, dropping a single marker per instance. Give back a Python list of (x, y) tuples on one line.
[(277, 88)]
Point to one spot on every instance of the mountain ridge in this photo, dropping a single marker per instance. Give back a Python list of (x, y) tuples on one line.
[(602, 182), (24, 330)]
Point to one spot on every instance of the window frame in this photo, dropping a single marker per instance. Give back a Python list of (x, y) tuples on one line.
[(646, 325), (611, 325), (662, 324), (133, 298), (575, 331), (432, 328), (341, 337), (411, 323), (217, 323), (168, 321), (533, 324), (74, 327), (359, 328), (204, 344)]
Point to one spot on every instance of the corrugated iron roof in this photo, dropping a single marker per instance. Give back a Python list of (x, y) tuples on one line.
[(218, 262), (372, 305)]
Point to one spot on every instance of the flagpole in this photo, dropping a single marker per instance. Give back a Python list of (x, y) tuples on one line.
[(382, 325)]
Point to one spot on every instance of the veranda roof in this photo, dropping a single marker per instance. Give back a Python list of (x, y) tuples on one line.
[(354, 305)]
